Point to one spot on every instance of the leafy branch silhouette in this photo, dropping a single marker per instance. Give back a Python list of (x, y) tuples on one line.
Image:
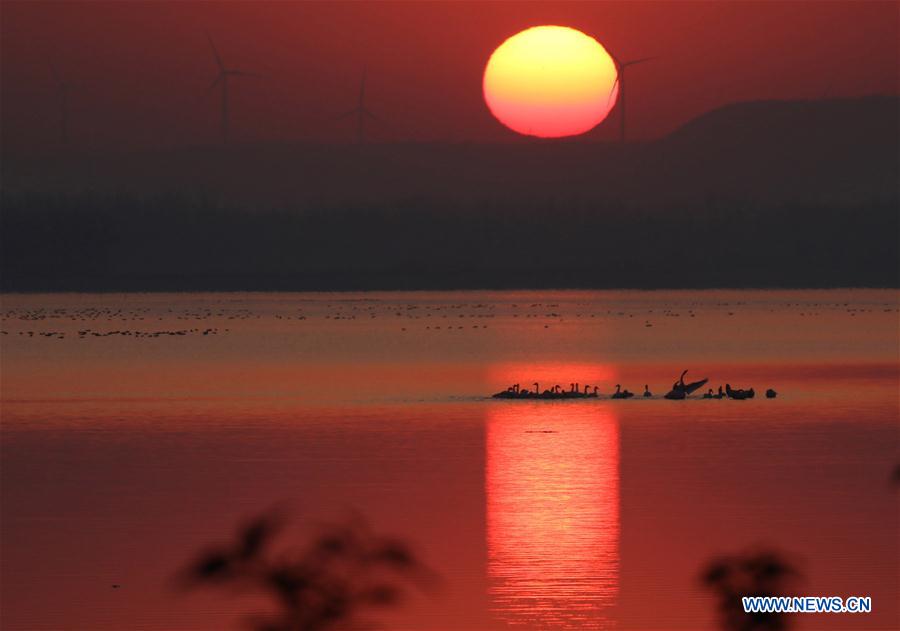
[(327, 584), (762, 572)]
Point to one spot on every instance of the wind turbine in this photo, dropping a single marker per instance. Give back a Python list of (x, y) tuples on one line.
[(222, 79), (360, 111), (621, 66), (62, 90)]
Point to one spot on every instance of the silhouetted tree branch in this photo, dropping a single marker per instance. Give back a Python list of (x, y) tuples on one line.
[(344, 571), (762, 572)]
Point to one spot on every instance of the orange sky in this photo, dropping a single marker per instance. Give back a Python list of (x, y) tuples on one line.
[(143, 68)]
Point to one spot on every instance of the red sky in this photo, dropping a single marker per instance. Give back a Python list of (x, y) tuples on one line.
[(143, 67)]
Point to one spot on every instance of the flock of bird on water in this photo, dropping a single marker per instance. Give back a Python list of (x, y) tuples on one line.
[(680, 390)]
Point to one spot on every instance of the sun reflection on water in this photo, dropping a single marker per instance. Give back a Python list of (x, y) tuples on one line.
[(553, 514)]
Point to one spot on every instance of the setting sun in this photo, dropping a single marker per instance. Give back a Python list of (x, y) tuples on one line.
[(550, 81)]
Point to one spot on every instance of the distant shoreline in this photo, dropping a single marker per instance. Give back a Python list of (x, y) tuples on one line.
[(424, 289), (786, 194)]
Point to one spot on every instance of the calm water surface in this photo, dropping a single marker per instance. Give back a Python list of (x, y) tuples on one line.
[(130, 439)]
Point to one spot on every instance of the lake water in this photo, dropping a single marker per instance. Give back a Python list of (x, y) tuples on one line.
[(125, 452)]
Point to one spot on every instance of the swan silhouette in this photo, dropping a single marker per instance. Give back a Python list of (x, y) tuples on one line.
[(739, 394), (510, 393), (680, 390)]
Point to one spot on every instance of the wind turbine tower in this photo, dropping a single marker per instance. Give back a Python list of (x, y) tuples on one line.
[(222, 78), (361, 112), (621, 67)]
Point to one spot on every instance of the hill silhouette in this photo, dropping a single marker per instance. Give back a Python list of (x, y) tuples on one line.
[(763, 194), (833, 151)]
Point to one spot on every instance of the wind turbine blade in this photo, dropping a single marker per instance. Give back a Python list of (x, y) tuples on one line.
[(612, 89), (241, 73), (346, 114), (374, 117), (615, 59), (215, 82), (215, 52), (635, 62)]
